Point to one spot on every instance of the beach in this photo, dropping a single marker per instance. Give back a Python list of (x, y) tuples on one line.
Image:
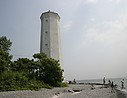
[(73, 91), (97, 92)]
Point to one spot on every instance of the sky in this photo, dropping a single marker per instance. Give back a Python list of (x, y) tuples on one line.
[(93, 34)]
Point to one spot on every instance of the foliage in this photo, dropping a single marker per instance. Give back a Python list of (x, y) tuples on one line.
[(5, 60), (63, 84), (19, 81), (12, 81), (49, 70), (23, 74), (5, 44)]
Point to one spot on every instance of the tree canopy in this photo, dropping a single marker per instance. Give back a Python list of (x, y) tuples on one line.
[(5, 57), (5, 43), (25, 73)]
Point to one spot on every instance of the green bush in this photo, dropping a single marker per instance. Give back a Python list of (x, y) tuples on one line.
[(25, 74), (62, 84), (11, 81)]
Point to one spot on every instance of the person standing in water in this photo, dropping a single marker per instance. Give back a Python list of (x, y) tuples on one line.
[(112, 87), (122, 84), (104, 80), (109, 83)]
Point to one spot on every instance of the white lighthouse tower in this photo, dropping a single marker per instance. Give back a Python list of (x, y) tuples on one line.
[(50, 35)]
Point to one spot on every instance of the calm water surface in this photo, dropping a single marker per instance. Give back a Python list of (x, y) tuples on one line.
[(115, 80)]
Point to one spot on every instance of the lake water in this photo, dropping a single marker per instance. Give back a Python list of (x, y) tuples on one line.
[(115, 80)]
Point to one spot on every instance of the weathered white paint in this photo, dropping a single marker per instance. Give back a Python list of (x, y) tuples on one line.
[(50, 35)]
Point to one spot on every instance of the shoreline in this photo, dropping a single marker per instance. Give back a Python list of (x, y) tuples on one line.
[(121, 93), (73, 91)]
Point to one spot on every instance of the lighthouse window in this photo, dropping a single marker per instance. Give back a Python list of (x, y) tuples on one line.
[(46, 20), (46, 44), (46, 32)]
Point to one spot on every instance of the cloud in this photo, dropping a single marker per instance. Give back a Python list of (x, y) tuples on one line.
[(108, 33), (67, 26), (90, 1), (92, 19), (115, 1), (104, 46)]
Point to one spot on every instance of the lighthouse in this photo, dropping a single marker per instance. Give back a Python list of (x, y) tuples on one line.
[(50, 35)]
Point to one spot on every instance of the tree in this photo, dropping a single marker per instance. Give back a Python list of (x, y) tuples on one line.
[(21, 65), (53, 74), (39, 56), (5, 44), (5, 58), (49, 70), (25, 73)]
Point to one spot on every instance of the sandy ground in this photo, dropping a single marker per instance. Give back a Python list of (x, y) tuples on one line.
[(81, 91)]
